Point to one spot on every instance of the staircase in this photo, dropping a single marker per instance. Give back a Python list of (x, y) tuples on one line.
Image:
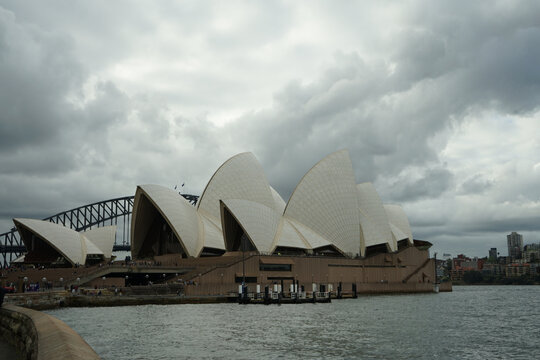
[(202, 270), (408, 277)]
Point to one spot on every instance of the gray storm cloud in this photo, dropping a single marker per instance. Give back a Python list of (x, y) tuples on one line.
[(164, 94)]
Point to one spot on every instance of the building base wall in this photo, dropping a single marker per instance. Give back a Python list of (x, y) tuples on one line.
[(409, 270)]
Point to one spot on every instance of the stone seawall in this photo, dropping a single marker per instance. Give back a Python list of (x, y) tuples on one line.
[(38, 300), (47, 301), (40, 336), (17, 329), (57, 299)]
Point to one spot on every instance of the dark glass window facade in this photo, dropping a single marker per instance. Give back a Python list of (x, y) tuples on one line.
[(275, 267)]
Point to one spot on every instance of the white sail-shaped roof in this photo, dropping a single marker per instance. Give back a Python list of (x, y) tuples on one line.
[(327, 208), (397, 233), (279, 203), (20, 259), (240, 177), (372, 212), (89, 248), (288, 236), (368, 230), (212, 235), (259, 221), (66, 241), (398, 218), (177, 211), (311, 237), (103, 238), (326, 201)]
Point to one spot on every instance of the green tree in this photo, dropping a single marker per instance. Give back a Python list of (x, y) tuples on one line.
[(472, 277)]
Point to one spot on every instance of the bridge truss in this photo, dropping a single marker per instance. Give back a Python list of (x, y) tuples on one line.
[(107, 212)]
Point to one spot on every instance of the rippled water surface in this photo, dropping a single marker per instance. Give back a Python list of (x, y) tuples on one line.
[(488, 322)]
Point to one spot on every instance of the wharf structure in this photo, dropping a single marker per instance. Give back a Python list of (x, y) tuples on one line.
[(333, 235)]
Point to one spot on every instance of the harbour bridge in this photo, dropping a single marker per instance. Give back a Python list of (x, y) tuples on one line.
[(115, 211)]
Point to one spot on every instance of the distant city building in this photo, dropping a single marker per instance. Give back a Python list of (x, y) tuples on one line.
[(531, 253), (503, 267), (493, 254), (461, 264), (494, 269), (474, 264), (457, 261), (516, 270), (535, 268), (515, 245)]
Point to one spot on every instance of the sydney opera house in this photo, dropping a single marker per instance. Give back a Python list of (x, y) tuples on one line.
[(330, 231)]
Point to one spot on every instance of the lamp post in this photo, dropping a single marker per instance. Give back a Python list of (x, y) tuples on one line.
[(146, 276), (44, 281), (25, 280), (127, 277), (61, 282)]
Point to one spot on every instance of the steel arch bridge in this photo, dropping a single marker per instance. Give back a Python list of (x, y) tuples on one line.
[(107, 212)]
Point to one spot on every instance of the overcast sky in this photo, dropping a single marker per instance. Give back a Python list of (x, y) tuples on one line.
[(437, 102)]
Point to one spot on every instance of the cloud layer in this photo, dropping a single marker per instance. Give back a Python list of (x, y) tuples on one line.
[(436, 102)]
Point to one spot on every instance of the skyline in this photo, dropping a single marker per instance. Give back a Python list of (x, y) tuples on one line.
[(437, 104)]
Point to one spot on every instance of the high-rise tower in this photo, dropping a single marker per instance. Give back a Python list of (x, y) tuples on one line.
[(515, 245), (493, 254)]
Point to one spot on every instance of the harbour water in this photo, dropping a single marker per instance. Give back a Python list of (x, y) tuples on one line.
[(472, 322)]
